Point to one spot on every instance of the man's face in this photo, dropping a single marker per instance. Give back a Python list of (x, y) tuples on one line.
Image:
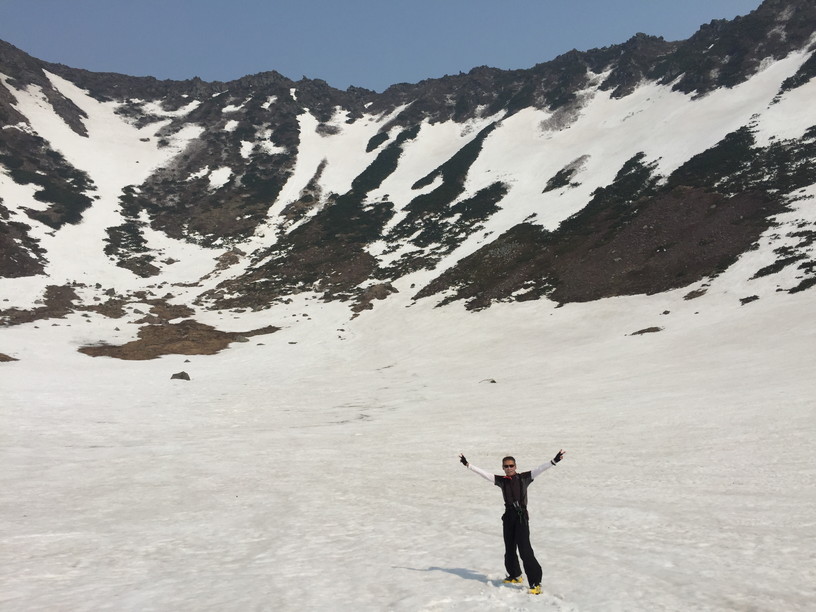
[(509, 467)]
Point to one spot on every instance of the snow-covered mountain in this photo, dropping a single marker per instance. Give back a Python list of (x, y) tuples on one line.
[(637, 168), (612, 252)]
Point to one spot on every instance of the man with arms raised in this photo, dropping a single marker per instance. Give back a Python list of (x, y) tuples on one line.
[(515, 519)]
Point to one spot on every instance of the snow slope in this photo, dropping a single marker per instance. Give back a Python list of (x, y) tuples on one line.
[(115, 154)]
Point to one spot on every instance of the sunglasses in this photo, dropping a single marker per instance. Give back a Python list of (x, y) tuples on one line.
[(509, 466)]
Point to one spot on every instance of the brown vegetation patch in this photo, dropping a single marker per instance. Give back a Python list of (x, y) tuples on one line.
[(380, 291), (167, 312), (228, 259), (185, 338), (57, 302), (60, 301), (5, 358), (114, 308)]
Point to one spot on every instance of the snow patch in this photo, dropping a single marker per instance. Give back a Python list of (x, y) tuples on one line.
[(155, 108), (220, 177), (199, 174), (234, 108)]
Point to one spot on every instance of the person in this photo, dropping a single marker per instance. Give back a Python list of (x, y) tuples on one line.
[(515, 521)]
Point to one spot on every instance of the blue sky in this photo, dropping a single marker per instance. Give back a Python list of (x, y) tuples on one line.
[(368, 43)]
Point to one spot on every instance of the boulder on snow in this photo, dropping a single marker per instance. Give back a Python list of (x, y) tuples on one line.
[(180, 376)]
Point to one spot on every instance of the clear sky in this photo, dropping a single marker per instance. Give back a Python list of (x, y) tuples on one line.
[(368, 43)]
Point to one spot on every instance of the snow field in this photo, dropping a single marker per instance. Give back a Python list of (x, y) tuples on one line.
[(324, 474)]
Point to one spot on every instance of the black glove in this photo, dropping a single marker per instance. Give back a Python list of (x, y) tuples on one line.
[(558, 457), (463, 460)]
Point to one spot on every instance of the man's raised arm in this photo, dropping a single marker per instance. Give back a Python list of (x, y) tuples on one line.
[(486, 475), (546, 466)]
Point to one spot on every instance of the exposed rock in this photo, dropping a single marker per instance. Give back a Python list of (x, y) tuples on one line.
[(691, 295), (180, 376), (603, 252), (20, 254), (30, 160), (647, 330), (380, 291)]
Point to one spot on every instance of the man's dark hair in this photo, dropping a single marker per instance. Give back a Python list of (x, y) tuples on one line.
[(513, 459)]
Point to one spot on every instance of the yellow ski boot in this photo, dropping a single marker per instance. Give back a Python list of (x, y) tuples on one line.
[(535, 589)]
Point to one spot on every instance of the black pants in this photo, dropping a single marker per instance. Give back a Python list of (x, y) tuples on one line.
[(517, 535)]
